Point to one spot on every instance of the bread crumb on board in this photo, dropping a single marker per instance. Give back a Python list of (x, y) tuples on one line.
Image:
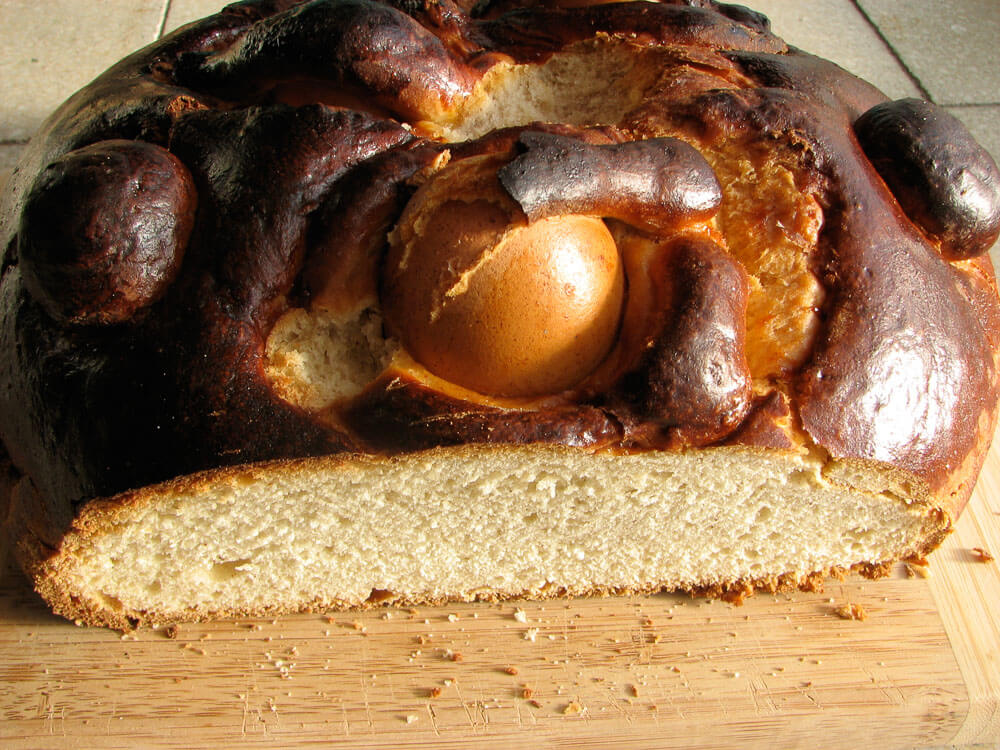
[(981, 555), (918, 568), (851, 611)]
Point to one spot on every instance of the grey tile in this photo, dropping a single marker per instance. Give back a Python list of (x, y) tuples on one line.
[(186, 11), (838, 31), (984, 124), (953, 48), (51, 49)]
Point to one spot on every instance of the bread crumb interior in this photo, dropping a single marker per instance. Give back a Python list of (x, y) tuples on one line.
[(462, 522), (314, 358)]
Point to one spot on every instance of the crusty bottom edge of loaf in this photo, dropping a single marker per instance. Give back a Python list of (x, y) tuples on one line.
[(472, 523)]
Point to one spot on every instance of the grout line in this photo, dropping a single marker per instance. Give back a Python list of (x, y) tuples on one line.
[(163, 19), (895, 53)]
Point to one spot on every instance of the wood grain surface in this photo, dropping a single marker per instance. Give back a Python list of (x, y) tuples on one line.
[(653, 672)]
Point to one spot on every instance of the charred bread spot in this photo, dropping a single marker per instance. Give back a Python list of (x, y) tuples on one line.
[(359, 44), (739, 13), (655, 184), (104, 229), (692, 383), (742, 14), (945, 182), (531, 33)]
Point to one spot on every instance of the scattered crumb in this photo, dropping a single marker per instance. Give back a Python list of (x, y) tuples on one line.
[(534, 703), (452, 618), (527, 692), (573, 708), (171, 631), (410, 718), (982, 555), (851, 611), (530, 634), (916, 570), (510, 670), (435, 692), (634, 690), (456, 656), (520, 615)]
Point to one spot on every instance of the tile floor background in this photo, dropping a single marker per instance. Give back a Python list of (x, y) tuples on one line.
[(947, 51)]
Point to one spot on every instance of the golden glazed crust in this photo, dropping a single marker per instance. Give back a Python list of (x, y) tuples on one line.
[(800, 269)]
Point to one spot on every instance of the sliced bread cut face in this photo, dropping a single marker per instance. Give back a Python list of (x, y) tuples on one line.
[(473, 522)]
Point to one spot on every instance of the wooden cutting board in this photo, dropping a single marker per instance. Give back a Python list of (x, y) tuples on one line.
[(655, 672)]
